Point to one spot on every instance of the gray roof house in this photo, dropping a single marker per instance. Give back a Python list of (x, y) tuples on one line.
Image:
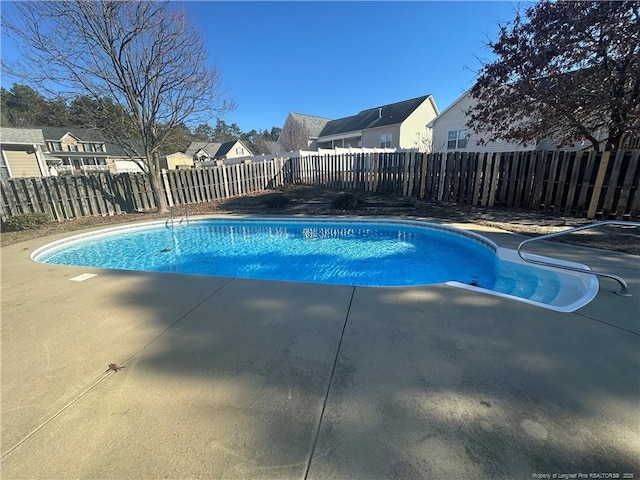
[(85, 150), (205, 151), (396, 125), (300, 132), (22, 153)]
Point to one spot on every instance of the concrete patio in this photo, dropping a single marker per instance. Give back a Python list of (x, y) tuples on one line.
[(231, 378)]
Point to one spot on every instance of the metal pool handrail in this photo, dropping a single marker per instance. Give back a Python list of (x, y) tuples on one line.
[(623, 285), (182, 219)]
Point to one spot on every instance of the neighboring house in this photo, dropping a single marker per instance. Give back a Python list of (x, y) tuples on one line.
[(300, 132), (233, 149), (205, 151), (78, 150), (274, 147), (22, 153), (176, 161), (400, 125), (451, 134), (120, 162)]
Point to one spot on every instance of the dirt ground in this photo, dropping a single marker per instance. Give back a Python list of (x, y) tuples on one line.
[(301, 200)]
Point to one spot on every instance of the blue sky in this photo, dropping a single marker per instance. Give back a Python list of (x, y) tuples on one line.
[(333, 58)]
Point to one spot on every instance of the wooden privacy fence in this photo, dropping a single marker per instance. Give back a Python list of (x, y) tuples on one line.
[(68, 197), (568, 183), (581, 184), (212, 183)]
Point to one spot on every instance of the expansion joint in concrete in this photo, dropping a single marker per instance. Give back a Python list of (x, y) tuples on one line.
[(326, 396)]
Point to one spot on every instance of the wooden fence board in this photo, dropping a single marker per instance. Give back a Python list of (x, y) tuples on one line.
[(65, 200), (225, 182), (24, 206), (520, 179), (486, 179), (585, 181), (103, 195), (465, 170), (73, 196), (612, 184), (597, 187), (494, 181), (542, 162), (560, 184), (407, 185), (551, 181), (504, 173), (477, 187), (573, 182), (50, 195), (627, 185), (423, 176)]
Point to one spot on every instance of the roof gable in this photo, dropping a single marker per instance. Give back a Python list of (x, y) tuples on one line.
[(312, 125), (465, 95), (210, 148), (390, 114), (225, 147), (81, 134), (27, 136)]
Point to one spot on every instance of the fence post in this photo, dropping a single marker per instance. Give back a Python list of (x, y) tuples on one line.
[(425, 157), (597, 187), (167, 189)]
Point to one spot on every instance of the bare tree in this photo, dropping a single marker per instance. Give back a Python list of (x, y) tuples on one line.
[(143, 56), (294, 136)]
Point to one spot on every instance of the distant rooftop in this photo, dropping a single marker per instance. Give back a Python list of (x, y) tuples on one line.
[(390, 114), (313, 125), (21, 136)]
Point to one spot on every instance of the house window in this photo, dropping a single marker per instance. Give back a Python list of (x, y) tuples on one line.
[(457, 139), (55, 146), (73, 148), (4, 170), (385, 140), (91, 147), (239, 151)]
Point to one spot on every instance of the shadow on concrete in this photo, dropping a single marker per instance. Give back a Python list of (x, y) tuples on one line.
[(457, 389), (430, 382)]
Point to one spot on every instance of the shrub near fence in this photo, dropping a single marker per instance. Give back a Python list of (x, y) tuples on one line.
[(582, 184)]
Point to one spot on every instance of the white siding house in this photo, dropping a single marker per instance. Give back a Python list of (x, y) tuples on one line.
[(22, 153), (451, 134)]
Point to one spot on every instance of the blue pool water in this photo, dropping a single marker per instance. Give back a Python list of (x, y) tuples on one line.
[(360, 253), (327, 252)]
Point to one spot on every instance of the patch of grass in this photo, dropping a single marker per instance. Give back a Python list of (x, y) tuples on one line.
[(276, 201), (25, 221), (347, 201)]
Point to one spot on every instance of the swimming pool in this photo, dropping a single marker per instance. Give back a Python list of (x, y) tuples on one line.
[(362, 252)]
